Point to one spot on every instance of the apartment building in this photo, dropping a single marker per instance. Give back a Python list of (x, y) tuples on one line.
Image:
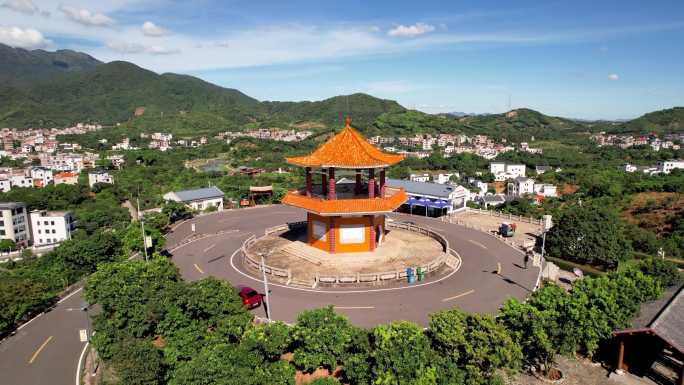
[(14, 223), (51, 227)]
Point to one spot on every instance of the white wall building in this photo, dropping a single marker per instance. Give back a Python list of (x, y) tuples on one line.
[(45, 174), (14, 223), (443, 178), (504, 171), (199, 199), (99, 177), (547, 190), (21, 181), (419, 178), (51, 227), (520, 186), (666, 166), (628, 167), (5, 185)]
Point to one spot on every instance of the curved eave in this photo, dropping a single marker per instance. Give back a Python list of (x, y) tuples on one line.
[(345, 206), (304, 162)]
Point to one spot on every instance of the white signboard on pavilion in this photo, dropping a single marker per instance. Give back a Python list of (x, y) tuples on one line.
[(352, 233)]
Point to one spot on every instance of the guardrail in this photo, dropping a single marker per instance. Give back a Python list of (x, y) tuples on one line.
[(508, 216), (449, 257), (257, 265)]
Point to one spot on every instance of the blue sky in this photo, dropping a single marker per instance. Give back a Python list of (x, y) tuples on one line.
[(585, 59)]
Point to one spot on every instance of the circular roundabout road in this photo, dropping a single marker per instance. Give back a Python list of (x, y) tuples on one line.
[(475, 287)]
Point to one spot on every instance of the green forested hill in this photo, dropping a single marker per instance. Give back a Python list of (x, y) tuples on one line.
[(21, 68)]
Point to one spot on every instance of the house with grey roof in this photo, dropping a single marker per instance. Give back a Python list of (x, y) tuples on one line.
[(653, 345), (198, 199), (435, 198)]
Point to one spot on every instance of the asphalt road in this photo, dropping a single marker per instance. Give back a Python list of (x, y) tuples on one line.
[(475, 287), (47, 349)]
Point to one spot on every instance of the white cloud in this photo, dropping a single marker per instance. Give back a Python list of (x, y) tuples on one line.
[(410, 30), (134, 48), (86, 17), (613, 77), (22, 38), (151, 29), (23, 6)]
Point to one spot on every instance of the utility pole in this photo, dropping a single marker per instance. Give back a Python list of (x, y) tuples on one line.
[(268, 306), (142, 228)]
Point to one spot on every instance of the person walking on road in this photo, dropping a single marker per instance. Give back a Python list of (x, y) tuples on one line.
[(527, 259)]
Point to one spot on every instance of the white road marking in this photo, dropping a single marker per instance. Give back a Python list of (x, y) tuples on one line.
[(459, 295), (477, 243), (210, 247), (198, 268), (69, 296), (83, 335), (79, 364)]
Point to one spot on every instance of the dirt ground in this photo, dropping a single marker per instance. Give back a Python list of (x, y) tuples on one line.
[(582, 372), (525, 232), (400, 249)]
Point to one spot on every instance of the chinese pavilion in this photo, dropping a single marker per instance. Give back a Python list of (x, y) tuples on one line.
[(346, 215)]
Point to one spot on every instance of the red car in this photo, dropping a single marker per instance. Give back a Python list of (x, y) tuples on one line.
[(250, 297)]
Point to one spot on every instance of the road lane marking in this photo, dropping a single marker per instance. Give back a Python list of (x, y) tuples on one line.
[(477, 243), (40, 349), (209, 248), (459, 295), (80, 364), (198, 268), (354, 307), (498, 268)]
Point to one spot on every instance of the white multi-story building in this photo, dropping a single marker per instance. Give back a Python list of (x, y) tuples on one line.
[(666, 166), (547, 190), (504, 171), (443, 178), (5, 185), (42, 173), (99, 177), (51, 227), (21, 181), (520, 186), (14, 223)]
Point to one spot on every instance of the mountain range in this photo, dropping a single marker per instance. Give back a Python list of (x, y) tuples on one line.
[(51, 89)]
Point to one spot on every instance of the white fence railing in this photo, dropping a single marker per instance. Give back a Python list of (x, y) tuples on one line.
[(448, 257), (508, 216)]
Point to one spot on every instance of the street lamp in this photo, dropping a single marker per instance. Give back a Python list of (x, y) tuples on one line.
[(263, 270)]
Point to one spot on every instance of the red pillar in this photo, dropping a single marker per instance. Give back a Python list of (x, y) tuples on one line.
[(331, 183), (371, 183), (309, 183), (331, 236), (357, 186), (324, 183), (372, 233), (382, 183)]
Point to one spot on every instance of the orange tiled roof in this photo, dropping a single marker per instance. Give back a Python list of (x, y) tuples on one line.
[(345, 206), (348, 149)]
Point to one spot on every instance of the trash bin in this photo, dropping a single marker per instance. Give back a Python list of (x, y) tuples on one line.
[(410, 278), (420, 273)]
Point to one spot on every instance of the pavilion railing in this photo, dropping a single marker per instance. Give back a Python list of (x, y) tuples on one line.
[(448, 257)]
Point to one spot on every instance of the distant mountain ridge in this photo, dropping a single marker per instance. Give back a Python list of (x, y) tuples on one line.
[(53, 89), (21, 68)]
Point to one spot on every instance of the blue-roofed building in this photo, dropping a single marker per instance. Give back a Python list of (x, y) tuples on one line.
[(431, 199), (198, 199)]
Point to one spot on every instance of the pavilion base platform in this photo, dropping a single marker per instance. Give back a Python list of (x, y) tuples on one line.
[(400, 249)]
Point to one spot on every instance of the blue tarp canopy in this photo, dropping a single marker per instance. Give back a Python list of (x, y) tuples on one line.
[(437, 203)]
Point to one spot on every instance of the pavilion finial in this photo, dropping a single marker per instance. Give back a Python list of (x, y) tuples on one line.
[(347, 122)]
